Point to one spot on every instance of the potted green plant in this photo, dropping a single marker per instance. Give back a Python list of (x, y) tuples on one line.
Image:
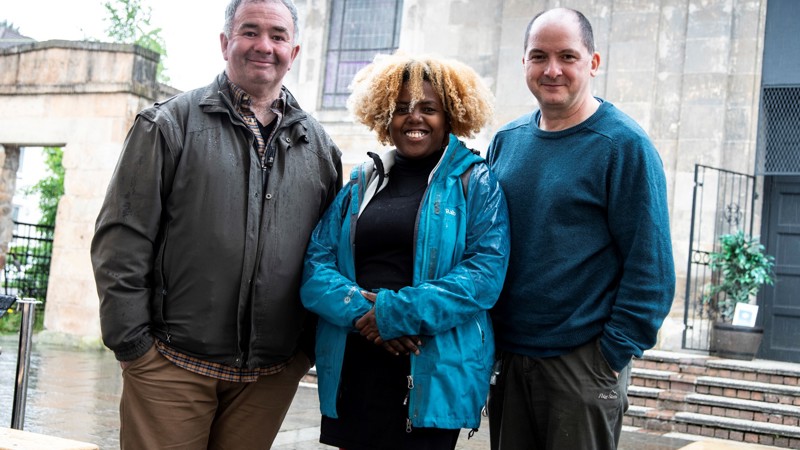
[(741, 267)]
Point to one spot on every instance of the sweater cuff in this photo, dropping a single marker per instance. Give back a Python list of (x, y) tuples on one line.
[(616, 360)]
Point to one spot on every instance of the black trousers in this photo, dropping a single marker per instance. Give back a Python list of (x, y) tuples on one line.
[(572, 401)]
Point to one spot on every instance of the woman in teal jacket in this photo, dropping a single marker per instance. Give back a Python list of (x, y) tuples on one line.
[(410, 256)]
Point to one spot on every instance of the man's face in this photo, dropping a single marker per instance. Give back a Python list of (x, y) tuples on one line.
[(260, 48), (558, 66)]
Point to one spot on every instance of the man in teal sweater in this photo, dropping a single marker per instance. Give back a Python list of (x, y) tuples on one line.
[(591, 275)]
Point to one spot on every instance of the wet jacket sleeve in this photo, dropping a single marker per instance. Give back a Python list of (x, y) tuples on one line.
[(474, 283), (307, 339), (639, 223), (123, 246), (325, 289)]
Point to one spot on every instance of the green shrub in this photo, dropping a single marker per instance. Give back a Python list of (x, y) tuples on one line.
[(740, 268)]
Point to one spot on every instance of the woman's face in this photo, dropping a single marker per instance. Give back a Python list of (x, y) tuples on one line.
[(422, 131)]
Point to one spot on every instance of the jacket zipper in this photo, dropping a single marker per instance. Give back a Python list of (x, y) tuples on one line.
[(164, 290), (426, 196), (409, 400)]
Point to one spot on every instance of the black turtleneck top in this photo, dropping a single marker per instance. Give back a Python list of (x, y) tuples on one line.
[(384, 242)]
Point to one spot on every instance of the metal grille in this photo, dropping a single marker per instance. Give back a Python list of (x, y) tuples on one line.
[(360, 29), (778, 144), (723, 203), (27, 269)]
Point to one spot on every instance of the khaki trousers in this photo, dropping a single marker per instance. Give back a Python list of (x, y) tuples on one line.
[(166, 407)]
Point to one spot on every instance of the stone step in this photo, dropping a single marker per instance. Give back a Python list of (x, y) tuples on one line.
[(745, 409), (764, 371), (663, 379), (653, 373), (713, 426), (748, 390), (770, 433), (720, 386), (736, 408), (753, 402), (720, 444), (644, 392)]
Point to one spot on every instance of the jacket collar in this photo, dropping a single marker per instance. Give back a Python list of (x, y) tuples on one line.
[(456, 159)]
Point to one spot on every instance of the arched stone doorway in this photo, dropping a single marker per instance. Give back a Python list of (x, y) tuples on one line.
[(82, 96)]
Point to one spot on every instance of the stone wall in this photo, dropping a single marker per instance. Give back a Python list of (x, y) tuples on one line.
[(9, 162), (83, 97)]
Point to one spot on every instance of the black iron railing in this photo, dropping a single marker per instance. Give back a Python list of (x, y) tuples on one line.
[(723, 203), (27, 268)]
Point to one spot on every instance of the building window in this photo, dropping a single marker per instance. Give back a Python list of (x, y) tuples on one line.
[(359, 30)]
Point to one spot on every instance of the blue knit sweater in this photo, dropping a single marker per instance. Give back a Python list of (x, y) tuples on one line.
[(591, 254)]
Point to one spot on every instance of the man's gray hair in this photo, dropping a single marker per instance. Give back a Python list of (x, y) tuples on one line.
[(230, 11)]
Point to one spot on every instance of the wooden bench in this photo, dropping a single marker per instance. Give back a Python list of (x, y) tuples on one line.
[(11, 439)]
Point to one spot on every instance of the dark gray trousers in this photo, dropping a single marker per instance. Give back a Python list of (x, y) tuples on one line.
[(572, 401)]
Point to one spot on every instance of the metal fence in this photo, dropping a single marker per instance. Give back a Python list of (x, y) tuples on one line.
[(723, 203), (27, 268)]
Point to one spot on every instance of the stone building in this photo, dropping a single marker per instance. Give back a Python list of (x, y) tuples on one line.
[(81, 96), (692, 72)]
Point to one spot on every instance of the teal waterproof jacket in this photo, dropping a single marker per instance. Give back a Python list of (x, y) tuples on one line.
[(460, 261)]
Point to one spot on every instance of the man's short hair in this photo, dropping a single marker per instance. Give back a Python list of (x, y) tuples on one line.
[(587, 35), (230, 11)]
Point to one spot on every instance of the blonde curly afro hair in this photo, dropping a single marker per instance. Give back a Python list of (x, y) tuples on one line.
[(467, 101)]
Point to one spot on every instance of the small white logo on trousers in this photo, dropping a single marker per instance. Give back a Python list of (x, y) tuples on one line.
[(608, 396)]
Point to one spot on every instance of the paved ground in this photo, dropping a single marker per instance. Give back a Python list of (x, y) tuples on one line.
[(74, 394)]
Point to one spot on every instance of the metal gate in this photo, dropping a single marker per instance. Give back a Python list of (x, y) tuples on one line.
[(27, 269), (723, 202)]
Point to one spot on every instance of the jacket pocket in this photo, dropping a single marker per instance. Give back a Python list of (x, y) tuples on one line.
[(484, 353), (160, 290)]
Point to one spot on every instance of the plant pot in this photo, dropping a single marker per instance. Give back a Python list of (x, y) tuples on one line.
[(735, 342)]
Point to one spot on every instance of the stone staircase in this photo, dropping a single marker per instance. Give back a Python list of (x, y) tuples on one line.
[(754, 402)]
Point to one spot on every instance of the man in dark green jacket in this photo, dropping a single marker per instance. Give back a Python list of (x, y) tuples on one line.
[(199, 247)]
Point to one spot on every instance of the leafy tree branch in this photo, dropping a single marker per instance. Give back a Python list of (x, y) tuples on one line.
[(129, 23)]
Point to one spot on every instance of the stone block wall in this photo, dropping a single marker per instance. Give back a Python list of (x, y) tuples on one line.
[(9, 162), (80, 96)]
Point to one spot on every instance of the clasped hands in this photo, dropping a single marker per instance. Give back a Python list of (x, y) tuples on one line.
[(367, 325)]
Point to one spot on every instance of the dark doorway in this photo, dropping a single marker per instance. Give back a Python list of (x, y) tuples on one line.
[(781, 303), (778, 160)]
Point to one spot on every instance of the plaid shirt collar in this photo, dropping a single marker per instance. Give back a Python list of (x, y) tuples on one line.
[(242, 100)]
